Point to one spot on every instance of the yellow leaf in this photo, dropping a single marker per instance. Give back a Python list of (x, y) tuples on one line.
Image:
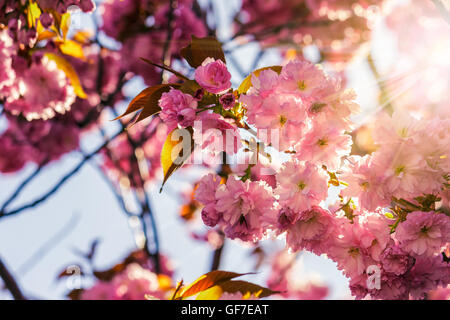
[(33, 13), (46, 34), (176, 150), (247, 83), (208, 281), (213, 293), (71, 48), (70, 72), (82, 37), (65, 24)]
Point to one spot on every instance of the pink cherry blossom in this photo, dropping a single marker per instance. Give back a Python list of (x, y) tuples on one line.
[(6, 52), (351, 248), (134, 283), (215, 134), (301, 185), (395, 260), (310, 230), (283, 117), (427, 274), (442, 293), (213, 76), (40, 92), (247, 208), (365, 182), (423, 233), (206, 194), (302, 77), (324, 146), (177, 108), (228, 101)]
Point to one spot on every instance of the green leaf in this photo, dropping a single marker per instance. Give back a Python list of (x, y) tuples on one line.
[(201, 48)]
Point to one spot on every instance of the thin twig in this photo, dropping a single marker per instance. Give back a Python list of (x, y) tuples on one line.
[(24, 183)]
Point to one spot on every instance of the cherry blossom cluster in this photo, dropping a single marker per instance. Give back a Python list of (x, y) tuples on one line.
[(386, 225), (214, 131), (412, 160), (41, 141), (22, 81)]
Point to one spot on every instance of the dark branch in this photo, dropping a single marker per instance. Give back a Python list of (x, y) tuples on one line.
[(22, 186), (217, 255), (10, 282)]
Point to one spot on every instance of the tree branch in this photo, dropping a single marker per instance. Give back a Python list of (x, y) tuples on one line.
[(61, 182), (10, 282)]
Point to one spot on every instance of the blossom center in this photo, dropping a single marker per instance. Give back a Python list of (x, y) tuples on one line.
[(424, 231), (353, 252), (316, 107), (322, 142), (364, 185), (301, 185), (301, 85), (399, 170)]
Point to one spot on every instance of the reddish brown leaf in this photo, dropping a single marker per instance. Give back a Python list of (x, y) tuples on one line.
[(75, 294), (147, 100), (246, 288), (201, 48)]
